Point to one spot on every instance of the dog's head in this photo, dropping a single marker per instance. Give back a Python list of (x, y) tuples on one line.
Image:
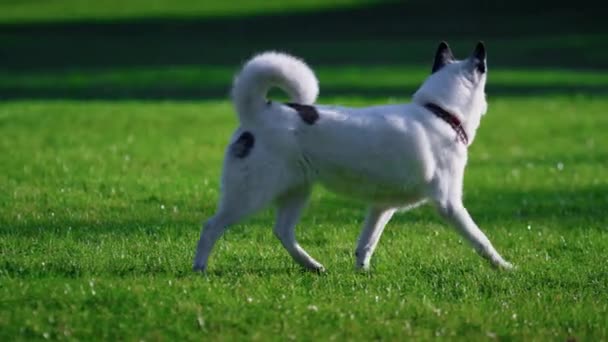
[(457, 86)]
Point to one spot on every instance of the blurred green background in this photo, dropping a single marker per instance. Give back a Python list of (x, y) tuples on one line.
[(187, 49)]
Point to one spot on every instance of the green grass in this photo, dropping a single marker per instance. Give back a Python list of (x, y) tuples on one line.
[(114, 119), (19, 11), (101, 204)]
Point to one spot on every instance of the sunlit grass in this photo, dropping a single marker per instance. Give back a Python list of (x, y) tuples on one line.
[(74, 10), (101, 206)]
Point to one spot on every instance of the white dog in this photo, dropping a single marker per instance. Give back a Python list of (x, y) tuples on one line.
[(390, 157)]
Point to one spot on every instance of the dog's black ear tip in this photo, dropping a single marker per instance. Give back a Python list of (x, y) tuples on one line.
[(443, 56), (480, 50), (444, 49)]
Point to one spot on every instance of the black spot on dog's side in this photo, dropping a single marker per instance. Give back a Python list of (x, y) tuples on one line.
[(243, 145), (307, 113)]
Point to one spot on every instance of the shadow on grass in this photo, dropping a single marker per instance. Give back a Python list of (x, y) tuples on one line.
[(208, 93), (544, 34), (580, 208)]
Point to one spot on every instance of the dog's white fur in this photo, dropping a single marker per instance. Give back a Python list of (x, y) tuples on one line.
[(390, 157)]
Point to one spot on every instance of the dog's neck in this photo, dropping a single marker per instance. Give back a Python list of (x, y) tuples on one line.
[(466, 103), (452, 120)]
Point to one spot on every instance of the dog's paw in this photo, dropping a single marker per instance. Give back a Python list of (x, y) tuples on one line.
[(199, 268), (362, 267), (507, 266), (319, 269), (503, 265)]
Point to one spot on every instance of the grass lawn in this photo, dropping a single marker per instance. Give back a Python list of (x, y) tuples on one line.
[(111, 144)]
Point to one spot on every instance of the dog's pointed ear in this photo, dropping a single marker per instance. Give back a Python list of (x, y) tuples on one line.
[(443, 56), (480, 51), (479, 57)]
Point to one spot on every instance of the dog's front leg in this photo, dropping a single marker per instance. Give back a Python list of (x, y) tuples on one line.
[(375, 222), (455, 212)]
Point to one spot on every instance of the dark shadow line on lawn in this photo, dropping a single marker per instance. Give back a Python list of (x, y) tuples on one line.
[(221, 93), (381, 33), (489, 207)]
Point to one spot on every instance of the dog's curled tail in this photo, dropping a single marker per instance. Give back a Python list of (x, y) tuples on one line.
[(268, 70)]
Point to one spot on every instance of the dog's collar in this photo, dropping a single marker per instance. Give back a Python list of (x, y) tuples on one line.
[(452, 120)]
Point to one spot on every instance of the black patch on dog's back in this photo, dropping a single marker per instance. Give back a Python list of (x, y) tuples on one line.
[(307, 113), (243, 145)]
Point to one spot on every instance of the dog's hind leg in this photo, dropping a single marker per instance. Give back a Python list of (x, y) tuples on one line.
[(233, 208), (244, 192), (373, 227), (289, 209), (212, 230), (459, 217), (241, 198)]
